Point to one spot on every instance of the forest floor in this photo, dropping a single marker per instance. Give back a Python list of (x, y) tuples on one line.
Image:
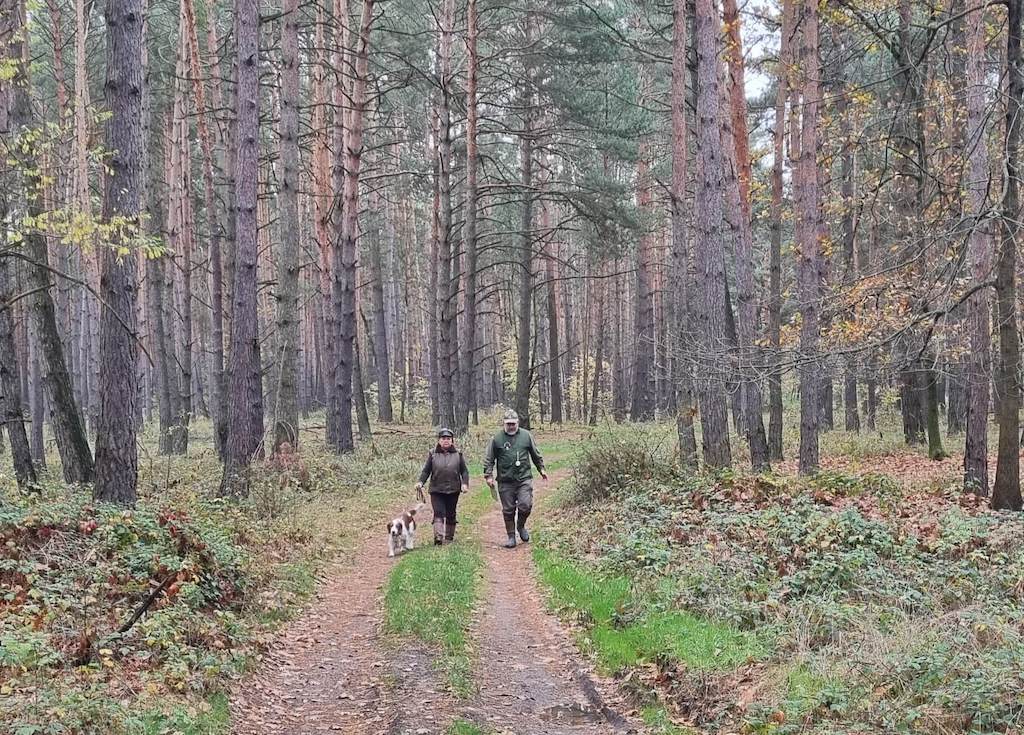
[(873, 598)]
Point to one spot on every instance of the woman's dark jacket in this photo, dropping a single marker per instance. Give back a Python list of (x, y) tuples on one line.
[(446, 469)]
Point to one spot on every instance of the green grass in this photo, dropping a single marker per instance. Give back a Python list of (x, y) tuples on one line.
[(430, 596), (659, 723), (210, 718), (461, 727), (624, 633)]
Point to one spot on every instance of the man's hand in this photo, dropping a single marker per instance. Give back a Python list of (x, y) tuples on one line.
[(544, 474), (465, 488), (490, 482)]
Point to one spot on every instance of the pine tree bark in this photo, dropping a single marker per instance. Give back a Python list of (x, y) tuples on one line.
[(447, 345), (710, 261), (468, 371), (680, 297), (809, 258), (117, 463), (554, 349), (979, 359), (286, 398), (737, 161), (1006, 489), (245, 419), (350, 233), (524, 374), (782, 93), (213, 223)]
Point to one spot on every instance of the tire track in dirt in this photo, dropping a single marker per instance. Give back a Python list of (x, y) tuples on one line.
[(330, 670), (532, 680)]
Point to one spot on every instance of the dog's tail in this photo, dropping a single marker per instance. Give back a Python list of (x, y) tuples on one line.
[(417, 509)]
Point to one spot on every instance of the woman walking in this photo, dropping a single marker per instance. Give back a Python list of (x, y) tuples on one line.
[(449, 477)]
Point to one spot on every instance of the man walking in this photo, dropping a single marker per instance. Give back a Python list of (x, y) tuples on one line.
[(507, 463)]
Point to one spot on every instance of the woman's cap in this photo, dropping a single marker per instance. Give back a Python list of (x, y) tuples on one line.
[(445, 432)]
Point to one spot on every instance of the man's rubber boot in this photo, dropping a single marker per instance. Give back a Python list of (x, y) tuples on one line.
[(511, 543), (524, 534)]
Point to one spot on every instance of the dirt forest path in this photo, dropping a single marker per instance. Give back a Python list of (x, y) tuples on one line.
[(531, 678), (330, 672)]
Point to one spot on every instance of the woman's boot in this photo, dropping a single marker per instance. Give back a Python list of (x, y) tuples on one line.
[(439, 531), (449, 532)]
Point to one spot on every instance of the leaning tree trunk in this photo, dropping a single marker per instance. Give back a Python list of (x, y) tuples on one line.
[(1006, 490), (979, 359), (65, 416), (680, 297), (245, 420), (117, 462), (710, 260), (12, 415), (286, 398)]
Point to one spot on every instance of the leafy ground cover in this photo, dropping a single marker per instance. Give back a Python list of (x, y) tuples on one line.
[(222, 575), (852, 603)]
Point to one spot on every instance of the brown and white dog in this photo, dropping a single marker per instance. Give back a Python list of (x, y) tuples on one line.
[(402, 532)]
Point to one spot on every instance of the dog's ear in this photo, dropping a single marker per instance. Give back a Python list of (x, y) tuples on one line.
[(389, 526)]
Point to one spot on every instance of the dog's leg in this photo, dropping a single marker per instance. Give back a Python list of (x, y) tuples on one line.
[(410, 542), (391, 545)]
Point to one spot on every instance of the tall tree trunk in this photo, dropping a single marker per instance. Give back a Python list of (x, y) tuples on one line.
[(245, 422), (554, 351), (469, 338), (350, 233), (1006, 490), (600, 337), (851, 412), (12, 417), (447, 345), (680, 298), (775, 255), (979, 359), (381, 356), (737, 159), (524, 374), (337, 419), (710, 260), (809, 259), (286, 399), (217, 400), (117, 462), (643, 387)]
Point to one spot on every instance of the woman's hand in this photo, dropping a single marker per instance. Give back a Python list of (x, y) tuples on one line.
[(419, 492)]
